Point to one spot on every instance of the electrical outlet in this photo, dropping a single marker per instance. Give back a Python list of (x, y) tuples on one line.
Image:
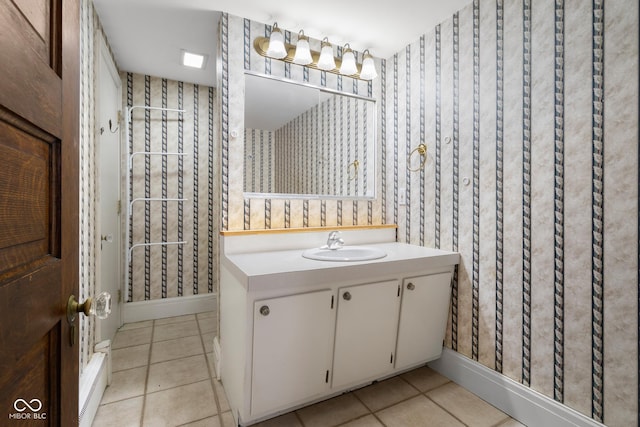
[(402, 196)]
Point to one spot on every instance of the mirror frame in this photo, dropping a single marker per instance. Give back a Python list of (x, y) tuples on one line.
[(374, 161)]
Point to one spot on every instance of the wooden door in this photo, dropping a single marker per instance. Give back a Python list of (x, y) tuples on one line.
[(366, 331), (39, 89)]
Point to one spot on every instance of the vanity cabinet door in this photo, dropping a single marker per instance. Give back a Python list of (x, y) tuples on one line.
[(367, 323), (292, 343), (423, 318)]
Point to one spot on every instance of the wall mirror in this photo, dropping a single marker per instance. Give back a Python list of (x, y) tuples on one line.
[(306, 141)]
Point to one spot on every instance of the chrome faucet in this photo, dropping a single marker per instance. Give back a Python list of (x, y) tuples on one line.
[(334, 241)]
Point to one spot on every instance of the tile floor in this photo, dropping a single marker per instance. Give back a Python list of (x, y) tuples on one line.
[(163, 376)]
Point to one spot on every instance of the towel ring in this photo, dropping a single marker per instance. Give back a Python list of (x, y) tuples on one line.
[(355, 164), (422, 151)]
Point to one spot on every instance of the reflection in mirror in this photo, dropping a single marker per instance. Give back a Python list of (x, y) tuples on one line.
[(302, 140)]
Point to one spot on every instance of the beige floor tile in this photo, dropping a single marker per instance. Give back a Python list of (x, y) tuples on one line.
[(125, 413), (425, 378), (386, 393), (222, 396), (177, 372), (136, 325), (286, 420), (206, 314), (126, 384), (510, 422), (207, 340), (466, 406), (207, 422), (332, 412), (227, 420), (175, 330), (208, 325), (176, 319), (132, 337), (130, 357), (176, 349), (418, 411), (180, 405), (366, 421)]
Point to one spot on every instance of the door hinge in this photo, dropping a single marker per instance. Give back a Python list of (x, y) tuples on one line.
[(332, 302), (326, 377)]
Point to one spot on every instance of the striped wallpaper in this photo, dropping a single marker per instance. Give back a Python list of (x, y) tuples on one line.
[(516, 101), (172, 270)]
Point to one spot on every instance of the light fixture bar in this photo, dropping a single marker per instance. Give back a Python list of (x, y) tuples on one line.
[(261, 44)]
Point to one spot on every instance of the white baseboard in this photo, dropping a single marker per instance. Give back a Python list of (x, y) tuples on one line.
[(168, 307), (93, 382), (521, 403)]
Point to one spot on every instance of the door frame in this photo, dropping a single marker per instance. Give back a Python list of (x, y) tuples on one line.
[(103, 52)]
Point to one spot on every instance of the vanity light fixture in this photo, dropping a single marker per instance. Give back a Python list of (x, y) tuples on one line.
[(303, 53), (348, 66), (327, 61), (368, 71), (193, 60), (276, 43)]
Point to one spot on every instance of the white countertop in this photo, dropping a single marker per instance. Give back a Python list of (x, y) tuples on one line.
[(287, 268)]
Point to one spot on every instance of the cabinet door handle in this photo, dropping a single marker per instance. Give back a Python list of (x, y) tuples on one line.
[(411, 286), (346, 296), (264, 310)]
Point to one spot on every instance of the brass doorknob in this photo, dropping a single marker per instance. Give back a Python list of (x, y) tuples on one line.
[(99, 307)]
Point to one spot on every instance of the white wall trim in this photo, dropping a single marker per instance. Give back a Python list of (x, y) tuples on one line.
[(168, 307), (521, 403), (93, 382)]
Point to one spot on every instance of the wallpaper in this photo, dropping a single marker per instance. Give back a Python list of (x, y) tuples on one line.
[(173, 231), (238, 213), (529, 111)]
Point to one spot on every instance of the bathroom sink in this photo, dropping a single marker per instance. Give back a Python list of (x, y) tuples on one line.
[(344, 253)]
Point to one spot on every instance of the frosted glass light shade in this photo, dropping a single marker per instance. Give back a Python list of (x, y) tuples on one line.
[(348, 66), (326, 61), (276, 44), (303, 52), (368, 71)]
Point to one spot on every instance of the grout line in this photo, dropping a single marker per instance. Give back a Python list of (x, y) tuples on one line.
[(443, 408), (212, 380), (146, 381)]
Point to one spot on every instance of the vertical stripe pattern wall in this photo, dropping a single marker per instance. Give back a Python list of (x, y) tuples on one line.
[(171, 188), (475, 295), (526, 193), (597, 212), (522, 198), (499, 179), (558, 307)]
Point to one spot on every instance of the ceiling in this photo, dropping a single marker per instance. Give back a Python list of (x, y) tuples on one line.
[(147, 36)]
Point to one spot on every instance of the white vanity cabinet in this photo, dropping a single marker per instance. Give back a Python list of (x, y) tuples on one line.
[(366, 327), (294, 331), (423, 318), (292, 341)]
